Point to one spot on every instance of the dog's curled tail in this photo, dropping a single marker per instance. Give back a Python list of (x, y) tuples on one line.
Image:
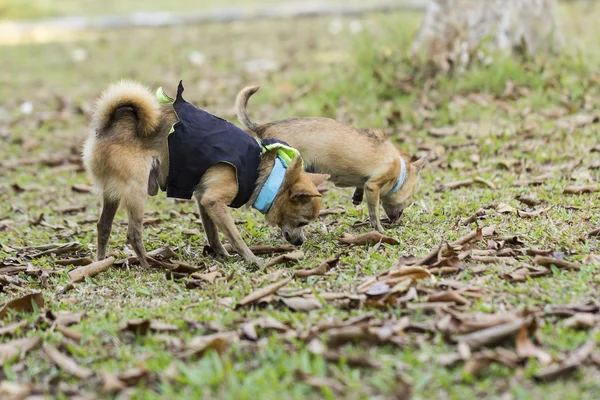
[(127, 94), (241, 103)]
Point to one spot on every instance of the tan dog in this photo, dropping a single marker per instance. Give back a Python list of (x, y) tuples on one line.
[(363, 159), (128, 158)]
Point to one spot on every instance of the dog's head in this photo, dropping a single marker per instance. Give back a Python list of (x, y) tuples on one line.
[(297, 203), (395, 203)]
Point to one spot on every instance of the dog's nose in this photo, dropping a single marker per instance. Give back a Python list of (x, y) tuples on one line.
[(297, 241), (395, 216)]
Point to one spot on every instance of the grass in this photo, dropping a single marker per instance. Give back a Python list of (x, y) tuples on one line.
[(319, 74)]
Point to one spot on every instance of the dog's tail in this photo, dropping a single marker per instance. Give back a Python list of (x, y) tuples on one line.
[(241, 103), (127, 94)]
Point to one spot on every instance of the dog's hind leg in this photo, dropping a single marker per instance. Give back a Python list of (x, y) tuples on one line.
[(212, 233), (372, 194), (135, 213), (104, 225)]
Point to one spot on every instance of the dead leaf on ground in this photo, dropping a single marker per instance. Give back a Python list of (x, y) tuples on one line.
[(208, 277), (443, 131), (483, 359), (580, 321), (526, 349), (66, 363), (303, 304), (454, 185), (581, 189), (111, 383), (504, 208), (370, 238), (91, 270), (532, 214), (218, 342), (163, 253), (320, 382), (15, 391), (17, 348), (294, 256), (526, 271), (75, 261), (23, 304), (65, 318), (575, 360), (536, 181), (263, 292), (139, 327), (448, 296), (529, 200), (493, 335), (82, 188), (265, 249), (595, 232), (56, 249), (332, 211), (321, 269), (11, 329), (479, 214), (548, 261), (133, 376), (70, 333)]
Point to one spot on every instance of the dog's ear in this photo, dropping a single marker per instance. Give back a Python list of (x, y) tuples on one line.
[(293, 173), (420, 163), (153, 177), (302, 191), (318, 179)]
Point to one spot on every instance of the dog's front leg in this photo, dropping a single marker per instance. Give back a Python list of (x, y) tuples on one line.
[(372, 193), (217, 211), (104, 225), (212, 234), (135, 213)]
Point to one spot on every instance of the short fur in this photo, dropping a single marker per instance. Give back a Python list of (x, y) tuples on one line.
[(128, 159), (363, 159)]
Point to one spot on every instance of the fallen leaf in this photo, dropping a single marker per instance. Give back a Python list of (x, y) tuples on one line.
[(191, 232), (529, 200), (263, 292), (532, 214), (595, 232), (480, 361), (370, 238), (139, 327), (448, 296), (66, 363), (574, 361), (209, 277), (320, 382), (443, 131), (265, 249), (15, 390), (56, 249), (580, 321), (522, 273), (526, 349), (321, 269), (91, 270), (164, 253), (11, 329), (493, 335), (504, 208), (285, 258), (82, 188), (303, 304), (548, 261), (133, 376), (17, 348), (65, 318), (111, 383), (581, 189), (23, 304), (332, 211), (70, 333), (479, 214), (218, 342), (455, 185)]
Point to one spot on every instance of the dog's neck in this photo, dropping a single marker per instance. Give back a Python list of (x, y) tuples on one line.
[(401, 178), (265, 168)]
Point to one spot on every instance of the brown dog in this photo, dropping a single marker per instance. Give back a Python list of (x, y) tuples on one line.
[(363, 159), (128, 158)]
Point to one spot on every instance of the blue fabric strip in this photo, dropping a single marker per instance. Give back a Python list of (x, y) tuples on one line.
[(401, 178), (271, 187)]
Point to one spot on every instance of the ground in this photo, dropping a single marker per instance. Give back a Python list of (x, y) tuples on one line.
[(512, 128)]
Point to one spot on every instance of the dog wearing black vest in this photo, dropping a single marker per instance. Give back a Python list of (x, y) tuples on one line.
[(143, 143)]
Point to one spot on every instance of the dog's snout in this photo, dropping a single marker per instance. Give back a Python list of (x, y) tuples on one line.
[(395, 216), (297, 241), (287, 236)]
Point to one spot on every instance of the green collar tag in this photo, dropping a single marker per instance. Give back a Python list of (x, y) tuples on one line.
[(162, 97), (286, 153)]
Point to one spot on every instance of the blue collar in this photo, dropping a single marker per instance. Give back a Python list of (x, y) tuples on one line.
[(401, 178), (269, 191)]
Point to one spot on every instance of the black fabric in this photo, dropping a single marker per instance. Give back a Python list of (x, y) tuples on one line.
[(201, 140)]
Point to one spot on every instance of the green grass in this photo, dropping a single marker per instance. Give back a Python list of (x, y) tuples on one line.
[(320, 74)]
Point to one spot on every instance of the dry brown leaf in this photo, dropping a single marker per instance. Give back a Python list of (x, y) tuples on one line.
[(11, 329), (532, 214), (443, 131), (295, 255), (479, 214), (82, 189), (23, 304), (332, 211), (581, 189), (320, 382), (303, 304), (370, 238), (111, 383), (483, 181), (163, 253), (480, 361), (263, 292), (65, 318), (494, 260), (595, 232), (548, 261), (75, 261), (15, 390), (529, 200), (448, 296), (209, 277), (66, 363), (526, 349), (504, 208), (218, 342), (575, 360), (522, 273), (17, 348), (70, 333), (137, 326), (188, 232), (493, 335), (321, 269), (265, 249), (132, 376), (91, 270), (454, 185), (580, 321), (55, 249)]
